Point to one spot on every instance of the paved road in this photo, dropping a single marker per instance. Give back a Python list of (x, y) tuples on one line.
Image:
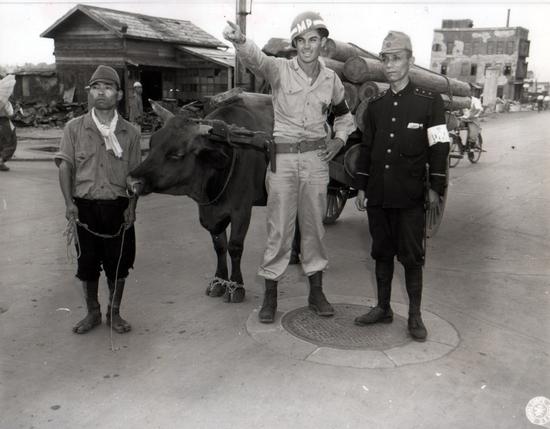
[(189, 361)]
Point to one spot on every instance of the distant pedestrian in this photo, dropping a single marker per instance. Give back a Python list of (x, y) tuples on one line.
[(540, 103), (8, 138), (136, 106), (97, 152)]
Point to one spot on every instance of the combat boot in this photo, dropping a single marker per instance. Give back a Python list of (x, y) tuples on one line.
[(93, 318), (269, 306), (116, 289), (317, 300), (382, 313)]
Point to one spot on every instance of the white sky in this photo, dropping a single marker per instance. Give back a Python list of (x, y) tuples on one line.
[(363, 23)]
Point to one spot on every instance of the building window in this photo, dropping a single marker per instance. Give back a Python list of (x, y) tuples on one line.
[(465, 68), (436, 47), (507, 70), (467, 49), (510, 46), (473, 70), (490, 48), (443, 68), (500, 47), (475, 48), (449, 48)]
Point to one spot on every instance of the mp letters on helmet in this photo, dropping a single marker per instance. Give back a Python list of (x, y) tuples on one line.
[(304, 25)]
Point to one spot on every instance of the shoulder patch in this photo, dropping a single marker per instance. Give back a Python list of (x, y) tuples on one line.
[(378, 96), (423, 92)]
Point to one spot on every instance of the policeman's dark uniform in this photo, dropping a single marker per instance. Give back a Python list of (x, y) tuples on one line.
[(403, 132), (392, 167)]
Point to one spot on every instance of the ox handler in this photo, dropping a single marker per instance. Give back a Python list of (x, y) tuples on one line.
[(97, 152), (404, 130), (303, 91)]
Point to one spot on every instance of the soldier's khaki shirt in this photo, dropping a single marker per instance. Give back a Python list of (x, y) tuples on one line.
[(300, 107)]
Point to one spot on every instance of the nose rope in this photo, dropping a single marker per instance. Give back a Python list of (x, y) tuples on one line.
[(71, 233)]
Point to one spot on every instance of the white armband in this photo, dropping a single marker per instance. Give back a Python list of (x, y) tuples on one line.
[(438, 134)]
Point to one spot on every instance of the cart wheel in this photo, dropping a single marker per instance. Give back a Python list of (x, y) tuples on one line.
[(336, 200), (475, 152), (454, 154), (435, 215)]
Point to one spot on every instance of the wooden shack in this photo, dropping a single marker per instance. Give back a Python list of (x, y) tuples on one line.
[(173, 59)]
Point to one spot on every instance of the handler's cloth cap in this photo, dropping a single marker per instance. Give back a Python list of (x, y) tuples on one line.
[(396, 41), (105, 74), (137, 84), (307, 21)]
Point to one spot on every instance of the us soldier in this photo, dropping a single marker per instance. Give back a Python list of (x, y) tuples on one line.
[(303, 91), (404, 130)]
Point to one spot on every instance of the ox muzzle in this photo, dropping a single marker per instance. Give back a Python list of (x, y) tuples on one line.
[(134, 187)]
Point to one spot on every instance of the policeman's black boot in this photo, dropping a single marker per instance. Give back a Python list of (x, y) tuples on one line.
[(317, 300), (269, 306), (93, 318), (413, 281), (113, 311), (382, 313)]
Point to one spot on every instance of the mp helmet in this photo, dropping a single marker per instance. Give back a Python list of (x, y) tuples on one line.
[(304, 22)]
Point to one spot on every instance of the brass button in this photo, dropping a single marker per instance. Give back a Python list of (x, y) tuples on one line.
[(395, 103), (393, 119), (389, 151), (392, 135), (387, 167)]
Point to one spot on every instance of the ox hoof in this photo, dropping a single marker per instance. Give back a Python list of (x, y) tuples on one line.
[(216, 287), (234, 293)]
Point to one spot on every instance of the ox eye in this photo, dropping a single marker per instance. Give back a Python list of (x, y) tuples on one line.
[(175, 155)]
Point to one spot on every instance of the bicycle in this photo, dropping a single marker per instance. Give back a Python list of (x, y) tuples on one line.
[(459, 149)]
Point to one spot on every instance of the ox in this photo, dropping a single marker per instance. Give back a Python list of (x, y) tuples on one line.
[(225, 180)]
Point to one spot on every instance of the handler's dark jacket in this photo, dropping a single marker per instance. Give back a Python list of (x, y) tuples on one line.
[(403, 132)]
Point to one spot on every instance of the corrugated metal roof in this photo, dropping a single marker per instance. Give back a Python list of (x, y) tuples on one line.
[(134, 25), (218, 56)]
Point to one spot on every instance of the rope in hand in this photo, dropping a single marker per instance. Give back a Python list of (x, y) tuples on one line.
[(71, 233)]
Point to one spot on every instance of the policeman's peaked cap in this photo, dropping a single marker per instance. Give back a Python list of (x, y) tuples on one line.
[(105, 74), (396, 41), (307, 21)]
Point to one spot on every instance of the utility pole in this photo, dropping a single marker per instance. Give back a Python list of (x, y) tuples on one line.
[(241, 22), (508, 19)]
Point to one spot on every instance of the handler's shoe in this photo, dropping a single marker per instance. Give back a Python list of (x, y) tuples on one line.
[(269, 306), (416, 328), (375, 315)]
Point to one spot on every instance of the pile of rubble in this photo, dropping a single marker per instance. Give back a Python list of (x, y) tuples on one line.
[(53, 114)]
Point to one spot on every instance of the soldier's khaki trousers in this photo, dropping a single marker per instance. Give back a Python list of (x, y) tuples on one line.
[(298, 188)]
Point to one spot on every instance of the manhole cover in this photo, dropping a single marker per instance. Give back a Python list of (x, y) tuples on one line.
[(340, 332)]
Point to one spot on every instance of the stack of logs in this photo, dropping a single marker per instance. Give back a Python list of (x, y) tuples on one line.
[(362, 75)]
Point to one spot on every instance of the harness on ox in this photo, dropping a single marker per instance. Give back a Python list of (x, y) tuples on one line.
[(237, 136)]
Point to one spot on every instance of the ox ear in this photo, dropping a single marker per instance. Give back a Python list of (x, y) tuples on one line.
[(163, 113), (212, 153)]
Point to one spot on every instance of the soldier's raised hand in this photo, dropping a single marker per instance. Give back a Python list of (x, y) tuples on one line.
[(233, 33)]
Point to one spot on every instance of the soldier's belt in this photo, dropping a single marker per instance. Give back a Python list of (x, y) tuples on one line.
[(300, 147)]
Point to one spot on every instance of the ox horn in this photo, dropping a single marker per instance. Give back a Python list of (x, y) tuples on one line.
[(204, 129), (161, 112)]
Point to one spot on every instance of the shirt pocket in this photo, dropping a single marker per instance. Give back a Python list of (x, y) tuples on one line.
[(292, 100), (321, 99), (414, 142), (117, 169)]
